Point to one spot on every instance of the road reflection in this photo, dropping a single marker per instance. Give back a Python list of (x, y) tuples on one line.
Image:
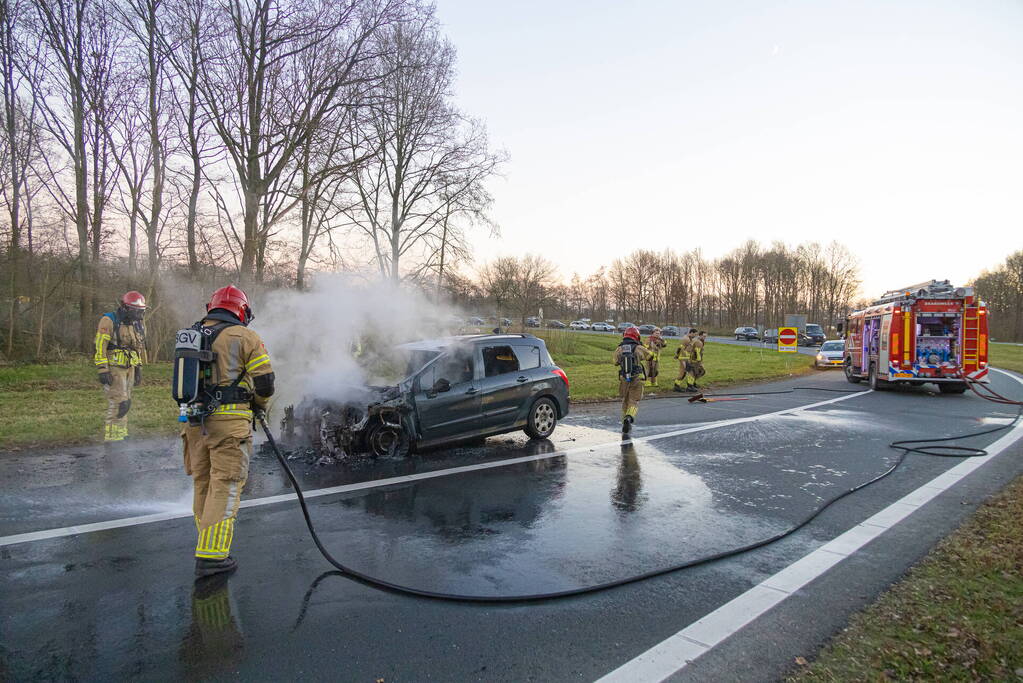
[(213, 643), (627, 495)]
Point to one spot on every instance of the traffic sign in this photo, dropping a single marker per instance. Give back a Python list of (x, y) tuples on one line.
[(788, 339)]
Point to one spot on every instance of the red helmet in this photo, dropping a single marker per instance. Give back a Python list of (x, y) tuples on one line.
[(233, 300), (134, 300), (632, 333)]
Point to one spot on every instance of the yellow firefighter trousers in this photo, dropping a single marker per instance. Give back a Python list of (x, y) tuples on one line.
[(118, 394), (218, 462), (681, 381), (652, 371), (695, 370), (631, 394)]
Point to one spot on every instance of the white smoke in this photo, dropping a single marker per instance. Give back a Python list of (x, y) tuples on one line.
[(312, 336)]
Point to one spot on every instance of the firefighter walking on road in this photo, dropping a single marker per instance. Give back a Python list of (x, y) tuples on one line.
[(695, 365), (682, 355), (654, 344), (630, 357), (120, 354), (236, 380)]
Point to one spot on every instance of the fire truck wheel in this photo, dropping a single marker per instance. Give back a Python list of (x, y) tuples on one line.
[(876, 383), (951, 388), (849, 376)]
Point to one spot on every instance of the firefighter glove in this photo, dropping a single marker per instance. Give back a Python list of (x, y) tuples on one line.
[(138, 375), (105, 378)]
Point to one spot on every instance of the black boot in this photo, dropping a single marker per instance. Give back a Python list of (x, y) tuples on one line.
[(205, 567), (627, 424)]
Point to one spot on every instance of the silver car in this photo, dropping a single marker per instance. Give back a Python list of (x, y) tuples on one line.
[(830, 354)]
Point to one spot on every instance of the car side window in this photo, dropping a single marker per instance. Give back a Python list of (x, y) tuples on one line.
[(499, 360), (456, 367), (528, 357)]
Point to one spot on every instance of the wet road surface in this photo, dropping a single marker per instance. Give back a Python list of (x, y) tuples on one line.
[(580, 509)]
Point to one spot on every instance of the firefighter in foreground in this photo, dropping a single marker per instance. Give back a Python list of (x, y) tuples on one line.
[(682, 355), (630, 357), (120, 353), (236, 379), (654, 344)]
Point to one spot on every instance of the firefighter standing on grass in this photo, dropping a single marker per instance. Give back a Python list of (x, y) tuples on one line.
[(218, 438), (682, 355), (654, 344), (630, 357), (120, 353)]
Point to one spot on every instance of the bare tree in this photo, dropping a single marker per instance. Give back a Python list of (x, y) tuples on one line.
[(67, 97), (253, 93), (428, 163), (19, 145)]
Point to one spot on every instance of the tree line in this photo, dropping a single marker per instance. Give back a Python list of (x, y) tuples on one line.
[(207, 139), (1002, 290), (754, 284)]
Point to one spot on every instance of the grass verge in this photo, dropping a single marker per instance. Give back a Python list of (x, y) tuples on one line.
[(64, 403), (586, 359), (1006, 356), (956, 616)]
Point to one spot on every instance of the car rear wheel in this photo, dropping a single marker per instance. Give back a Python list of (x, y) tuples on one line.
[(543, 418)]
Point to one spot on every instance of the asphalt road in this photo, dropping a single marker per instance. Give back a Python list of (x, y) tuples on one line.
[(116, 599)]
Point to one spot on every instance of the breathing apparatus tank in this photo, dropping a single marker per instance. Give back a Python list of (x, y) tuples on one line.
[(628, 362), (192, 383)]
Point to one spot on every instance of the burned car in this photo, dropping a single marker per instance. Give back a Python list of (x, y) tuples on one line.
[(455, 389)]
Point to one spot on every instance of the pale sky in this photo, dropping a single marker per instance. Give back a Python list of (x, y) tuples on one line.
[(894, 127)]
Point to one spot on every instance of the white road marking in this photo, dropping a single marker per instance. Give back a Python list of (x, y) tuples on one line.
[(678, 651), (378, 483)]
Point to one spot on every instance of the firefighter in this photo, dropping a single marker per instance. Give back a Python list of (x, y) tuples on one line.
[(218, 437), (682, 355), (120, 353), (695, 366), (654, 344), (630, 357)]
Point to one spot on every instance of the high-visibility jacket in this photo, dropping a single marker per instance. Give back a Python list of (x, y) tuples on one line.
[(240, 350), (122, 345), (654, 345), (684, 348)]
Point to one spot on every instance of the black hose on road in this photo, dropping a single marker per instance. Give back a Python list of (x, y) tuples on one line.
[(903, 446)]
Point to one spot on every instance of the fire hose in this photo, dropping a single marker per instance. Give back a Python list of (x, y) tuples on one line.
[(905, 447)]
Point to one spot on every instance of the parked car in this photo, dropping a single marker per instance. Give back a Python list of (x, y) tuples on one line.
[(475, 322), (506, 322), (603, 327), (458, 388), (624, 326), (532, 321), (647, 329), (830, 354), (770, 336), (746, 334), (814, 335), (579, 325), (671, 331), (556, 324)]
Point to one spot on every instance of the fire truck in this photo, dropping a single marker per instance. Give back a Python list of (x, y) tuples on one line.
[(930, 332)]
